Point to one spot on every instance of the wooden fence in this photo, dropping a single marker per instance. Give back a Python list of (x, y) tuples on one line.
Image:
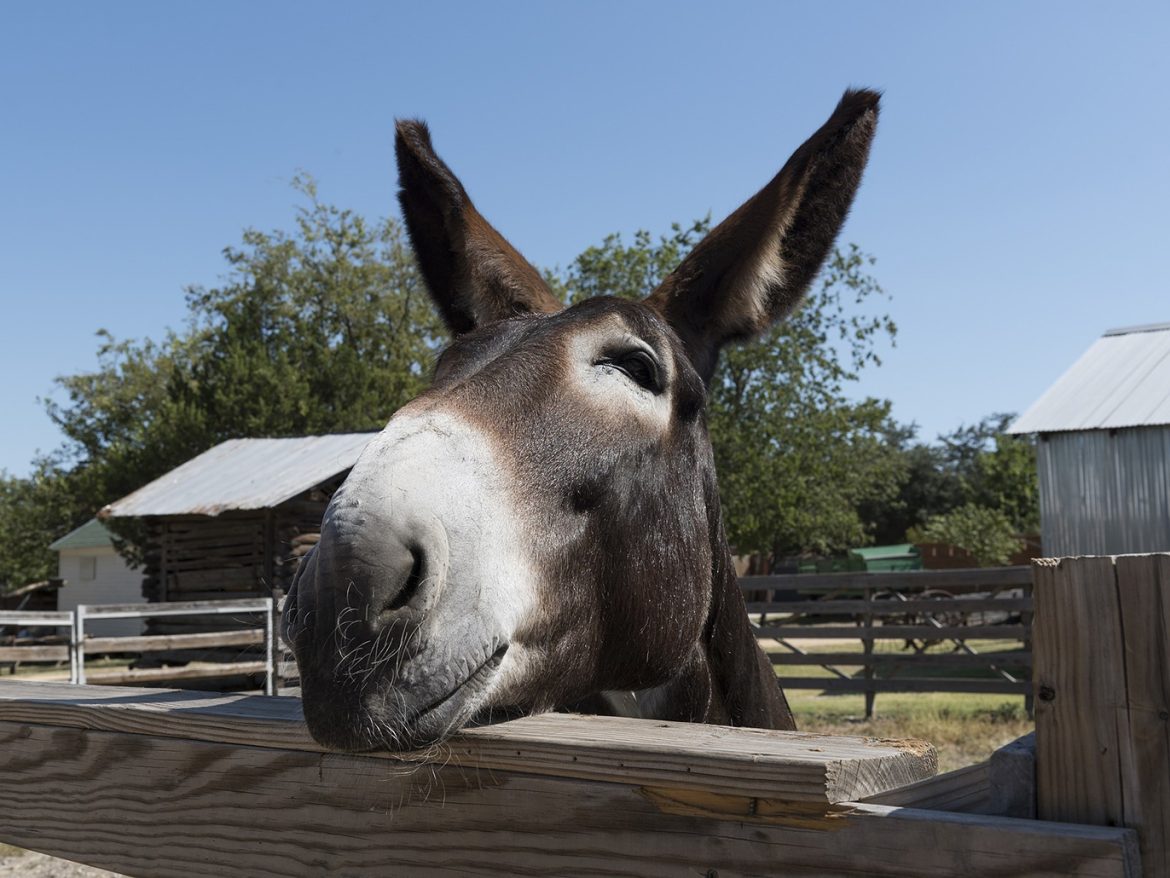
[(80, 644), (191, 784), (55, 649), (903, 621)]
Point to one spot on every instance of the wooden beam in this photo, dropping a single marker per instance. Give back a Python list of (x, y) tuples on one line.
[(34, 653), (1012, 779), (164, 642), (986, 579), (806, 767), (965, 789), (161, 807), (857, 607), (969, 685), (892, 632), (907, 661), (1101, 660), (208, 671), (174, 608)]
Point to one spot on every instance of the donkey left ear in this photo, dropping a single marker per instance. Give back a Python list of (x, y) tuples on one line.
[(755, 266), (473, 274)]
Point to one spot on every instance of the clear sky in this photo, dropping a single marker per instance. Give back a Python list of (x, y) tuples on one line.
[(1016, 199)]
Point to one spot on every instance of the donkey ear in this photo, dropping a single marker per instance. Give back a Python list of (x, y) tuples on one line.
[(473, 274), (755, 266)]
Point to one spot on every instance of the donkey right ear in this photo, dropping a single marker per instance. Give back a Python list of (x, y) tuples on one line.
[(754, 267), (473, 274)]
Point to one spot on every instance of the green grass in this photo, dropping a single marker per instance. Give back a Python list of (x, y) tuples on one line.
[(964, 728)]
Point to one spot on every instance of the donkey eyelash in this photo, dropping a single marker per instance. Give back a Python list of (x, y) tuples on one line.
[(639, 366)]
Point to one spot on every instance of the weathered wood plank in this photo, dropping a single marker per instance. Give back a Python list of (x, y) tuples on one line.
[(34, 653), (165, 807), (909, 659), (966, 789), (852, 607), (35, 619), (892, 632), (1012, 779), (1102, 671), (208, 671), (157, 642), (174, 608), (952, 580), (1143, 591), (927, 684), (808, 768)]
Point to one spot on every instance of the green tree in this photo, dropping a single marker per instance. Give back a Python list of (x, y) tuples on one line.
[(978, 464), (988, 534), (323, 329), (33, 511)]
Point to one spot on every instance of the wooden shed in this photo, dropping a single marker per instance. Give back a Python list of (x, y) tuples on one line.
[(92, 572), (234, 521), (1104, 447)]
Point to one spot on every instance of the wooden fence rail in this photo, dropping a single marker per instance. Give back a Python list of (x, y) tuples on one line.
[(40, 652), (913, 612), (197, 785), (80, 644), (158, 783)]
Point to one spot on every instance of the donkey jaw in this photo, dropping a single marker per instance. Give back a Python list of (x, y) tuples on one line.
[(397, 715)]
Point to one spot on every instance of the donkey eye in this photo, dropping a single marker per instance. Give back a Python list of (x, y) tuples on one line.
[(639, 365)]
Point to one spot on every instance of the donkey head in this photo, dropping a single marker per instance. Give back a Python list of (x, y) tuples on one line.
[(543, 523)]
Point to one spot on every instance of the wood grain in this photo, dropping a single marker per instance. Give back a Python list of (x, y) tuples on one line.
[(1102, 674), (791, 765), (162, 807)]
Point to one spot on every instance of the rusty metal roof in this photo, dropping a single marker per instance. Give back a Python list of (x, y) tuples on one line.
[(1122, 380), (243, 474)]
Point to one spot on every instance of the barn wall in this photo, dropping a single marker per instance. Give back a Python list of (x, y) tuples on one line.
[(113, 583), (1105, 492)]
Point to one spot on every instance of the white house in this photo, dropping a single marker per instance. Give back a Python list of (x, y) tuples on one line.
[(94, 573)]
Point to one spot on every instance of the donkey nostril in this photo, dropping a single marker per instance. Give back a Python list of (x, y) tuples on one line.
[(413, 580)]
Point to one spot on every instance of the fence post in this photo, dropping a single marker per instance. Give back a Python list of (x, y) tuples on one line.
[(1101, 657), (1027, 619), (270, 657), (73, 638), (867, 649), (79, 643)]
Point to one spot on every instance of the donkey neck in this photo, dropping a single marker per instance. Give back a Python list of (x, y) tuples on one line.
[(728, 679)]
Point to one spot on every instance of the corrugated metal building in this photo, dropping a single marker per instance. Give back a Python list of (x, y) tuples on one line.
[(233, 522), (1104, 449)]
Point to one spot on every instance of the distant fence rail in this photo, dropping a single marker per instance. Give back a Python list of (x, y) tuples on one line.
[(919, 611), (910, 614), (79, 644)]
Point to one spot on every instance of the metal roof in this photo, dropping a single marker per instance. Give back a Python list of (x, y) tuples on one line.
[(91, 535), (1122, 380), (243, 474)]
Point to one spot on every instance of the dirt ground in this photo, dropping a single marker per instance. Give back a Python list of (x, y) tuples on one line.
[(17, 863)]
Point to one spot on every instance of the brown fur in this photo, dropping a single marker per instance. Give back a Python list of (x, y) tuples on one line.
[(620, 506)]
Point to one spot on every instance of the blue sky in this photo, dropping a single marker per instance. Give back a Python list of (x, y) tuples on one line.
[(1016, 197)]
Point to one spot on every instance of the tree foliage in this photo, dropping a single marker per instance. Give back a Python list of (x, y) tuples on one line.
[(987, 534), (323, 329)]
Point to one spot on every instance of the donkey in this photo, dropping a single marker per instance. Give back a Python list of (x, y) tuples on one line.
[(541, 528)]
